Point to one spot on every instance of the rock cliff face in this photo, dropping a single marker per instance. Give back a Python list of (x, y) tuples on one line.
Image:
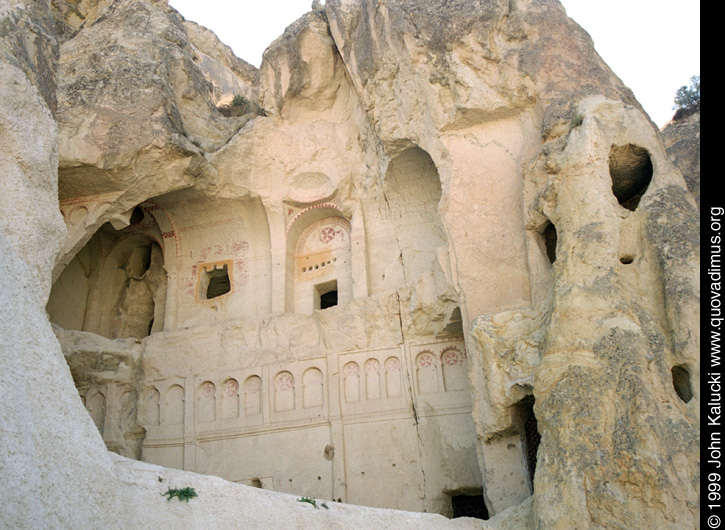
[(39, 453), (682, 142), (440, 257)]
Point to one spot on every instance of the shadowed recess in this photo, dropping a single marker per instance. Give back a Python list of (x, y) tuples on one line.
[(681, 382), (631, 170)]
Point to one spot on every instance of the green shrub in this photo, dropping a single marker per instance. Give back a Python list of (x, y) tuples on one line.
[(240, 101), (238, 107), (313, 502), (183, 494)]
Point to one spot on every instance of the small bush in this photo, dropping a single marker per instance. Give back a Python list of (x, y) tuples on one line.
[(313, 502), (183, 494), (238, 107), (240, 102), (577, 120)]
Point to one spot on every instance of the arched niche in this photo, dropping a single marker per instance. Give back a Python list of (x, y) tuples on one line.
[(149, 407), (206, 402), (116, 285), (426, 369), (219, 258), (372, 379), (253, 396), (351, 382), (404, 229), (173, 406), (312, 388), (393, 385), (630, 167), (230, 399), (284, 392), (454, 369), (319, 268)]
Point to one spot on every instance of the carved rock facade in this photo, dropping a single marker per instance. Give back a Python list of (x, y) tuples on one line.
[(444, 254)]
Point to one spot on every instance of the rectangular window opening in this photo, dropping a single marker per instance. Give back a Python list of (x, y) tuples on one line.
[(326, 295), (471, 505), (214, 282)]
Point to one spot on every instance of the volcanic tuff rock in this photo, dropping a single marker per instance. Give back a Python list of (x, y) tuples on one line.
[(682, 141), (469, 179), (39, 453)]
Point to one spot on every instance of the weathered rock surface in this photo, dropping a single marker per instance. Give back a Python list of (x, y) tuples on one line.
[(682, 142), (40, 455), (228, 74), (606, 400), (113, 146), (455, 65), (444, 230)]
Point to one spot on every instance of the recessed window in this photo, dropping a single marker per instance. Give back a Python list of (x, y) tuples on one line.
[(526, 424), (469, 506), (326, 295), (214, 281), (328, 299)]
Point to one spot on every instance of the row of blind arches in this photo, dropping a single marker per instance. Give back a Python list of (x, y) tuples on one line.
[(433, 372), (375, 380), (232, 400)]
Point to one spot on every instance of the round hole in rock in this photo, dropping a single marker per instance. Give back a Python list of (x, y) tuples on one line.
[(630, 168), (626, 259), (681, 382)]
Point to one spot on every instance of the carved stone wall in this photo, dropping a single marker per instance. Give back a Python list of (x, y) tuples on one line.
[(443, 229), (351, 425)]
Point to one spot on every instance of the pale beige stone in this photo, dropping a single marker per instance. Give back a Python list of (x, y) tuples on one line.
[(428, 242)]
